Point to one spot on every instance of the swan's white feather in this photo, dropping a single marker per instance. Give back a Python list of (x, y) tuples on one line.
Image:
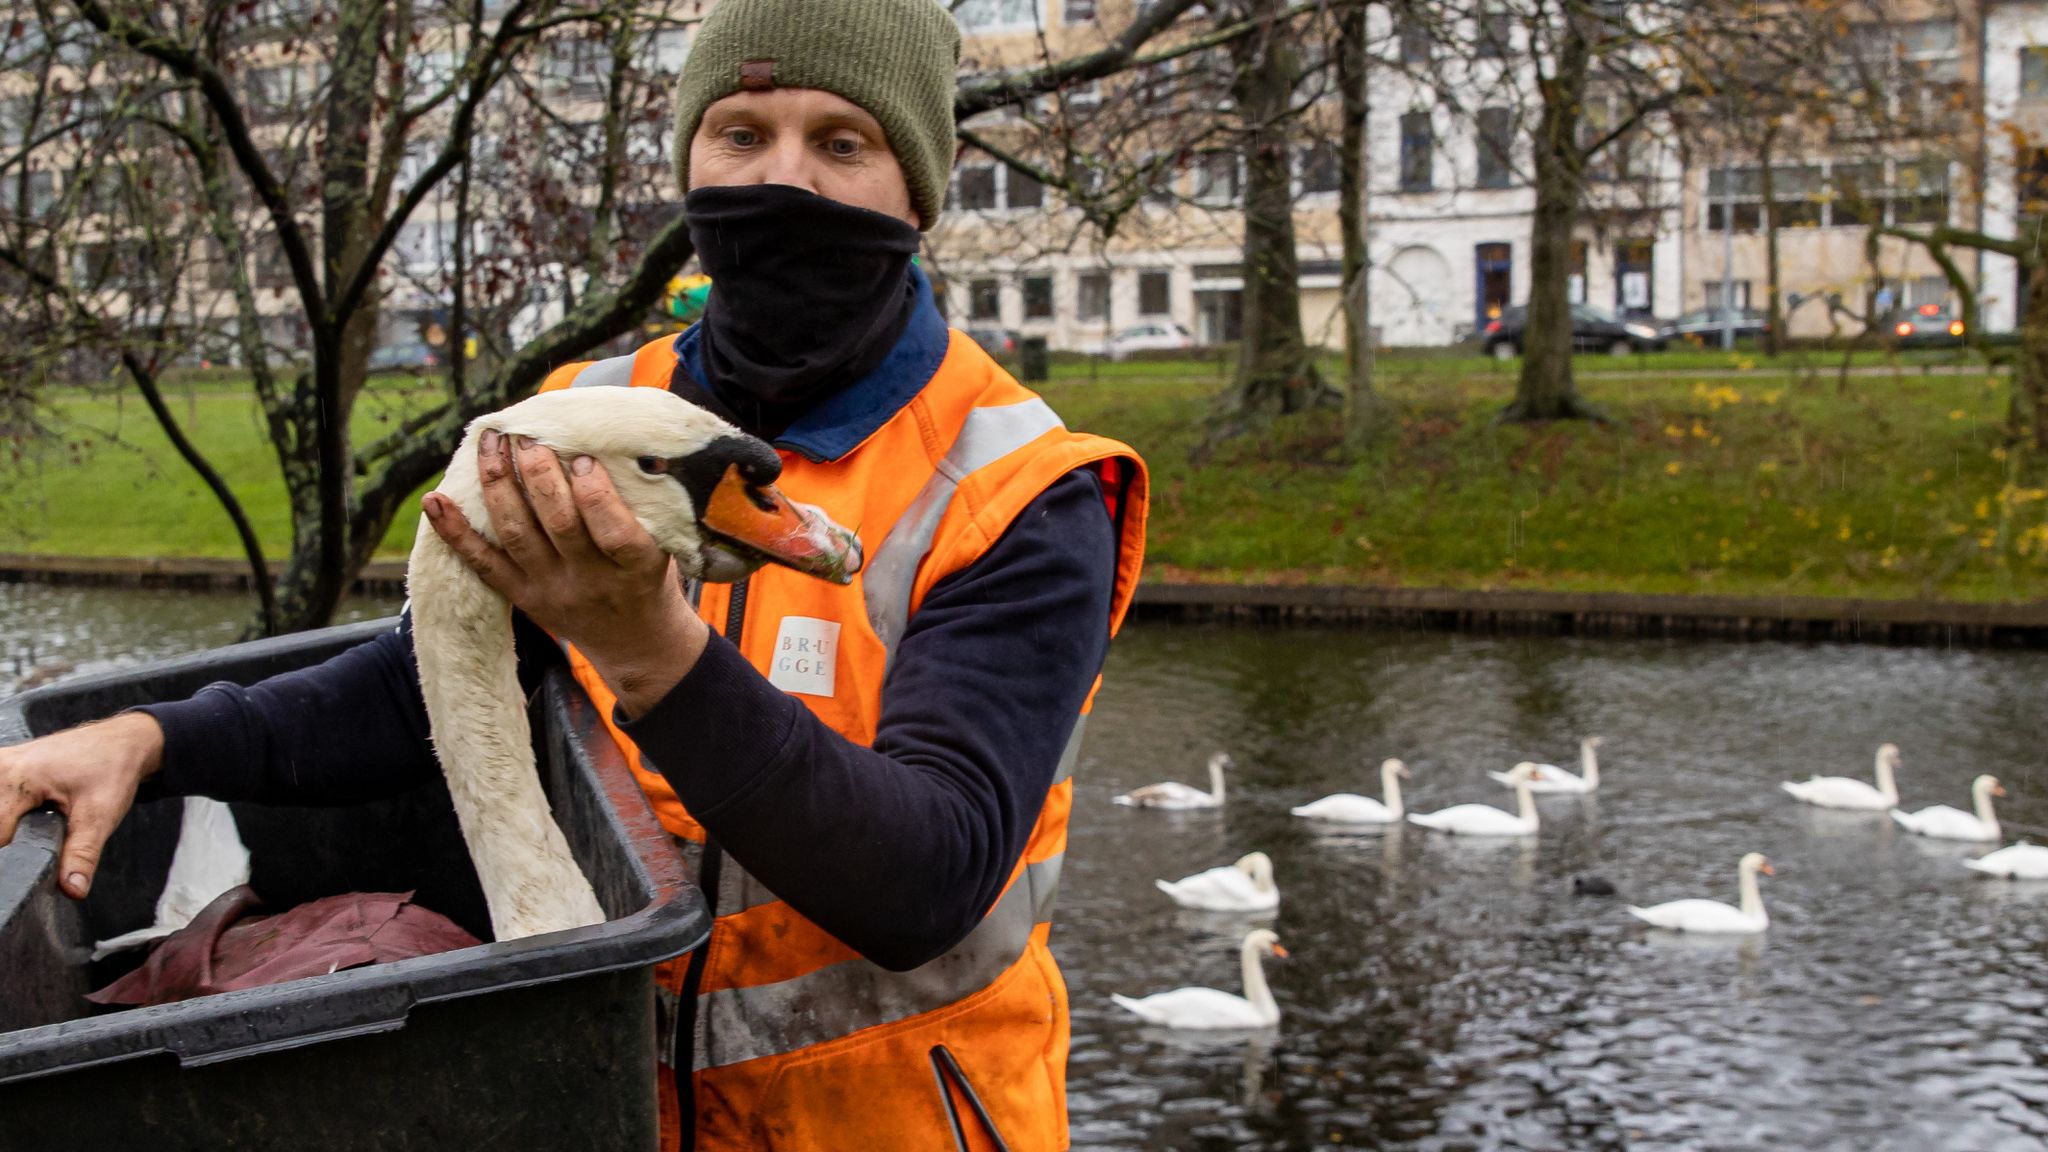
[(1473, 820), (1346, 808), (1195, 1008), (2015, 862), (1171, 794), (210, 859), (1709, 916), (1225, 889), (1838, 792), (1945, 823)]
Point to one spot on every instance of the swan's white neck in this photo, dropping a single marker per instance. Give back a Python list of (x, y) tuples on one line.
[(1982, 793), (1589, 763), (1216, 781), (1255, 990), (1525, 801), (1885, 783), (1752, 898), (1390, 787)]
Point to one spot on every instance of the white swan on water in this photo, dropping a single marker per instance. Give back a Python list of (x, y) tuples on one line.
[(1549, 778), (2014, 862), (1351, 808), (1848, 792), (1180, 797), (703, 490), (1945, 823), (1246, 886), (1210, 1008), (1485, 819), (1712, 916)]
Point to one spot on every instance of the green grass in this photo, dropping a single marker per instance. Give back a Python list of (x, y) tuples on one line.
[(1767, 482)]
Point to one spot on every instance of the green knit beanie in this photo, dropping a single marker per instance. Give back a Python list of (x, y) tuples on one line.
[(894, 58)]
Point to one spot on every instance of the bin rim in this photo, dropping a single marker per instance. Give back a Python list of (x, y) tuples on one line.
[(358, 1001)]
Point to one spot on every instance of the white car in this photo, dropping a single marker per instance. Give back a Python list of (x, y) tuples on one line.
[(1152, 336)]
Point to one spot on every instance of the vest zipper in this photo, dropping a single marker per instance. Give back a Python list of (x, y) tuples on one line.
[(683, 1059)]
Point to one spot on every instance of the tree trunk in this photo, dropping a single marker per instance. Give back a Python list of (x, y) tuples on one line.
[(1774, 311), (1276, 372), (1545, 390), (2030, 374), (1361, 404)]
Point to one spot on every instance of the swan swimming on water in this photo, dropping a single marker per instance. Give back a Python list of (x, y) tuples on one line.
[(1945, 823), (1174, 795), (1485, 819), (1246, 886), (1550, 779), (1351, 808), (1210, 1008), (1848, 792), (1712, 916), (702, 489)]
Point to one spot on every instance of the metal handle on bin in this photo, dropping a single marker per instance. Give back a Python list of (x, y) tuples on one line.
[(359, 1012)]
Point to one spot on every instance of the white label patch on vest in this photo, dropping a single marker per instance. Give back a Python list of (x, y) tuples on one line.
[(806, 655)]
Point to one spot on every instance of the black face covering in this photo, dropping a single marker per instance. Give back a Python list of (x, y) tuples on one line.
[(808, 295)]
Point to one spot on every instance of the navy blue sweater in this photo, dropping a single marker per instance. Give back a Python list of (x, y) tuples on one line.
[(896, 850)]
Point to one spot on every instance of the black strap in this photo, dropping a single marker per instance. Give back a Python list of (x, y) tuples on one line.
[(946, 1069)]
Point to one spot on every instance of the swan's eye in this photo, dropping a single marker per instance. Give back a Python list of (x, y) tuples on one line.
[(653, 465)]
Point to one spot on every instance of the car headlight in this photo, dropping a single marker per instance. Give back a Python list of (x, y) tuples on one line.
[(1639, 331)]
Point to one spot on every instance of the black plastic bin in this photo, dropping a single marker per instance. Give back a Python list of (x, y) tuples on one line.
[(546, 1042), (1034, 361)]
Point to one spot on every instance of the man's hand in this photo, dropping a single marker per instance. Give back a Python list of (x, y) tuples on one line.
[(90, 774), (577, 562)]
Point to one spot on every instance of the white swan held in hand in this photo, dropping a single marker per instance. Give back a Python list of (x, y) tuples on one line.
[(1246, 886), (1712, 916), (2015, 862), (1945, 823), (1485, 819), (1850, 793), (1209, 1008), (703, 490), (1550, 779), (1177, 796), (1351, 808)]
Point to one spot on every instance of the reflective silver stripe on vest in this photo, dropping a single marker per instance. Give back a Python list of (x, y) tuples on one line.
[(740, 1024), (1072, 755), (988, 435), (613, 372)]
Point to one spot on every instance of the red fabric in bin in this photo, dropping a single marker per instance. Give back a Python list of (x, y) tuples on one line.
[(225, 948)]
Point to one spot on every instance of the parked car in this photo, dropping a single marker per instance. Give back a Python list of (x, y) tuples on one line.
[(1592, 331), (411, 356), (1705, 326), (1000, 343), (1929, 325), (1151, 336)]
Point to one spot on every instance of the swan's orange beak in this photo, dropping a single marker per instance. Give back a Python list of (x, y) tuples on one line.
[(1766, 868), (1998, 789), (761, 521), (1279, 951)]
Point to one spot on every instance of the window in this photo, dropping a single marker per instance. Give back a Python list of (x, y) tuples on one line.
[(1321, 169), (1092, 288), (1856, 194), (669, 48), (977, 187), (1078, 11), (1309, 269), (975, 16), (1216, 180), (1716, 294), (1159, 187), (1920, 192), (1038, 297), (1416, 146), (1796, 197), (1743, 186), (1494, 28), (1154, 290), (1415, 45), (1496, 147), (1924, 290), (984, 300), (2033, 73), (1022, 191)]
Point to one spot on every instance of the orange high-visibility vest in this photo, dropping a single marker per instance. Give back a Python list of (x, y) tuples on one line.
[(795, 1042)]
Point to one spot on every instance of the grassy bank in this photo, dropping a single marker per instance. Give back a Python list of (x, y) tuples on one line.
[(1760, 482)]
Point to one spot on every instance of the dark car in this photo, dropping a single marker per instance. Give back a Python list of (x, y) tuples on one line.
[(1927, 326), (1592, 331), (412, 356), (1704, 327), (1000, 343)]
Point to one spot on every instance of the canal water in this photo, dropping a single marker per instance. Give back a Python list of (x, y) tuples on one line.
[(1447, 994)]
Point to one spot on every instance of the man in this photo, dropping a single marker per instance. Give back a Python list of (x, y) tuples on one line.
[(870, 781)]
